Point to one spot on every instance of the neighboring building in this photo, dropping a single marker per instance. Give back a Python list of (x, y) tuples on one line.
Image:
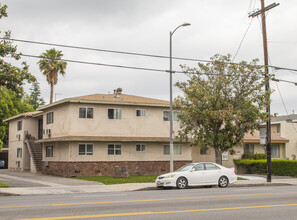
[(283, 143), (91, 135)]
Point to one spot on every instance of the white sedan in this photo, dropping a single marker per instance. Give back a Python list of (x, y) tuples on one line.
[(198, 174)]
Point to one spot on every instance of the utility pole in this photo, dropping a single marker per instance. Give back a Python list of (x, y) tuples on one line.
[(267, 87)]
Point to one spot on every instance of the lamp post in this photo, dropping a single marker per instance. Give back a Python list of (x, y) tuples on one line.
[(171, 112)]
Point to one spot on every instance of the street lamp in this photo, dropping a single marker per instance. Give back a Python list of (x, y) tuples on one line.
[(171, 112)]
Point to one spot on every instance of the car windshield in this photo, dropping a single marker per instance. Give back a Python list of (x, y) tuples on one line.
[(185, 168)]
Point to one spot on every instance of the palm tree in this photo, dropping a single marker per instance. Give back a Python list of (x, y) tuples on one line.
[(51, 65)]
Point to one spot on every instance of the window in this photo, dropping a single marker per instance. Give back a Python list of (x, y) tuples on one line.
[(177, 149), (49, 117), (166, 115), (199, 167), (204, 151), (210, 166), (114, 149), (19, 152), (85, 112), (19, 125), (49, 151), (115, 113), (275, 151), (85, 149), (140, 113), (140, 147), (248, 148)]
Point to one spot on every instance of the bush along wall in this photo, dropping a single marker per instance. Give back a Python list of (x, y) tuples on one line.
[(254, 156), (278, 167)]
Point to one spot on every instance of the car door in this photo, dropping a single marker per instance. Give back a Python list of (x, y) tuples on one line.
[(197, 175), (213, 173)]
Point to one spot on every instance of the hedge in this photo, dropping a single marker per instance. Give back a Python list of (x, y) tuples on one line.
[(278, 167), (254, 156)]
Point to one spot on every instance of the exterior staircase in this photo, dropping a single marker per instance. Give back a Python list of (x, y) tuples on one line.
[(35, 150)]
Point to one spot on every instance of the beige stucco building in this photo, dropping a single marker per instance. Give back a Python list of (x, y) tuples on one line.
[(90, 135)]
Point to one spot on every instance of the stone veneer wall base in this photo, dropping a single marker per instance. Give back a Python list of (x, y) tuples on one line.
[(106, 168)]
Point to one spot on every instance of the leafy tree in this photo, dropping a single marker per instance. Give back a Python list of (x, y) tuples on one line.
[(10, 76), (10, 104), (34, 99), (51, 65), (222, 101), (12, 80)]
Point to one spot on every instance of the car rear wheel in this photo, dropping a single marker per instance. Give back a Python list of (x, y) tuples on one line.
[(181, 183), (223, 182)]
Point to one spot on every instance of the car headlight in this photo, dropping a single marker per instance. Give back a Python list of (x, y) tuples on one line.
[(170, 176)]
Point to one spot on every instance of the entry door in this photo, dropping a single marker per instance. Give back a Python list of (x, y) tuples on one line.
[(40, 129)]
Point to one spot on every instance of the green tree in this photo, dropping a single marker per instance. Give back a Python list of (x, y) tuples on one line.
[(10, 104), (10, 76), (51, 65), (222, 101), (34, 99)]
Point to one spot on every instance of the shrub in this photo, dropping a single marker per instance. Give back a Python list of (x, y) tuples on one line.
[(254, 156), (278, 167)]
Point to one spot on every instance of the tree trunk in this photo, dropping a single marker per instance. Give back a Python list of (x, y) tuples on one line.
[(218, 156), (52, 93)]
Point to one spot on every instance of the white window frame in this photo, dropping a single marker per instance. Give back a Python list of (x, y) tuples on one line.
[(167, 117), (116, 147), (86, 112), (19, 125), (117, 113), (51, 150), (85, 152), (175, 150), (50, 117), (140, 147), (141, 111)]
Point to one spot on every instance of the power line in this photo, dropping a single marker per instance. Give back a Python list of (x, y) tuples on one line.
[(118, 66), (98, 64), (104, 50), (242, 40), (132, 53)]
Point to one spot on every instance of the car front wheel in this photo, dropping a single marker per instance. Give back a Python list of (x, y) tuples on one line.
[(223, 182), (181, 183)]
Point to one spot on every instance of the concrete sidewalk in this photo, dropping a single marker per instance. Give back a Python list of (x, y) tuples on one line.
[(35, 184)]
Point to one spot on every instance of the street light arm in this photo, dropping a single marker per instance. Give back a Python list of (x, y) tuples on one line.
[(184, 24)]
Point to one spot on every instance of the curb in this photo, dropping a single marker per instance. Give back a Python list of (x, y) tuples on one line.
[(230, 186)]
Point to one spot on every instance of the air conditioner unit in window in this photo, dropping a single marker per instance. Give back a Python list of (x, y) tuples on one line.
[(18, 136), (48, 131)]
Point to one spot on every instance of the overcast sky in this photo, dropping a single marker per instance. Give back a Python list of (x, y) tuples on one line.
[(143, 26)]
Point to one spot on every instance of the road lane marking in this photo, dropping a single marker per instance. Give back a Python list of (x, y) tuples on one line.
[(147, 200), (156, 213)]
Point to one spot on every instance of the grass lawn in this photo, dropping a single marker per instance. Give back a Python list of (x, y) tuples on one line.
[(240, 178), (108, 180), (4, 185)]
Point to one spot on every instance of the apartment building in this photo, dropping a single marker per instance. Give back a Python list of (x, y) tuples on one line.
[(91, 135)]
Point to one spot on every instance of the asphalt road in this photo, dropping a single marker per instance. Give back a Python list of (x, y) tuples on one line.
[(272, 202)]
